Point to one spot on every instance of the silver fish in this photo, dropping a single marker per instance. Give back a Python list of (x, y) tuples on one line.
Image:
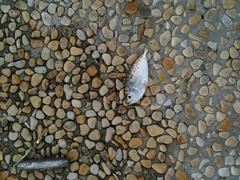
[(138, 80), (43, 164)]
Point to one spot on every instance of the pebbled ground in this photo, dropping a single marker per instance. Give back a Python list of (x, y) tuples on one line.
[(63, 66)]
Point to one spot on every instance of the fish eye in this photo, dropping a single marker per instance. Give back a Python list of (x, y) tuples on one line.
[(129, 96)]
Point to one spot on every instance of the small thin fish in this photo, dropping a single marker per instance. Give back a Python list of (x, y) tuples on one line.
[(138, 80), (43, 164)]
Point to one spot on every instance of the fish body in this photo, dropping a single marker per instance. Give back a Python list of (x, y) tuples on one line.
[(138, 80), (43, 164)]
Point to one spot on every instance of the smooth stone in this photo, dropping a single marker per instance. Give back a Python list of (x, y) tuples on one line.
[(209, 171), (13, 136), (231, 142), (81, 35), (65, 21), (45, 53), (25, 133), (94, 169), (47, 19), (229, 4), (155, 130), (224, 172), (165, 37), (160, 98), (236, 106), (12, 110), (188, 52), (107, 33)]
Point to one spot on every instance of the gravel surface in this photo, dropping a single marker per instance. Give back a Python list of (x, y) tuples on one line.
[(63, 69)]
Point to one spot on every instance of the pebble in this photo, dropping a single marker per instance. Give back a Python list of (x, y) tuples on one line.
[(70, 126), (224, 172), (159, 167), (135, 143), (229, 4), (155, 130), (45, 53), (107, 33), (109, 133), (200, 142), (94, 135), (65, 21), (81, 35), (165, 139), (35, 101), (209, 171), (229, 160), (216, 69), (12, 110), (40, 69), (157, 116), (212, 45), (83, 169), (131, 8), (25, 133), (74, 72), (94, 169), (169, 88), (231, 142), (21, 5), (72, 175), (160, 98), (226, 20), (170, 113), (188, 52), (75, 51), (49, 111), (192, 130), (46, 18), (181, 175), (117, 60), (134, 127), (13, 136), (156, 13), (165, 37), (236, 106)]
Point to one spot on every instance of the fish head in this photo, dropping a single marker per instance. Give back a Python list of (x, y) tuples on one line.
[(133, 96)]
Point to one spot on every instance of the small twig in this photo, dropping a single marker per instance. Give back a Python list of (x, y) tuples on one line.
[(31, 148)]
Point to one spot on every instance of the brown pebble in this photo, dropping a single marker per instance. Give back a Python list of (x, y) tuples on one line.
[(131, 8), (92, 71), (135, 143), (181, 175), (49, 111), (83, 169), (224, 125), (168, 63), (81, 119), (15, 79), (39, 174), (218, 161), (36, 43), (160, 167), (146, 101), (96, 82), (21, 53), (72, 155)]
